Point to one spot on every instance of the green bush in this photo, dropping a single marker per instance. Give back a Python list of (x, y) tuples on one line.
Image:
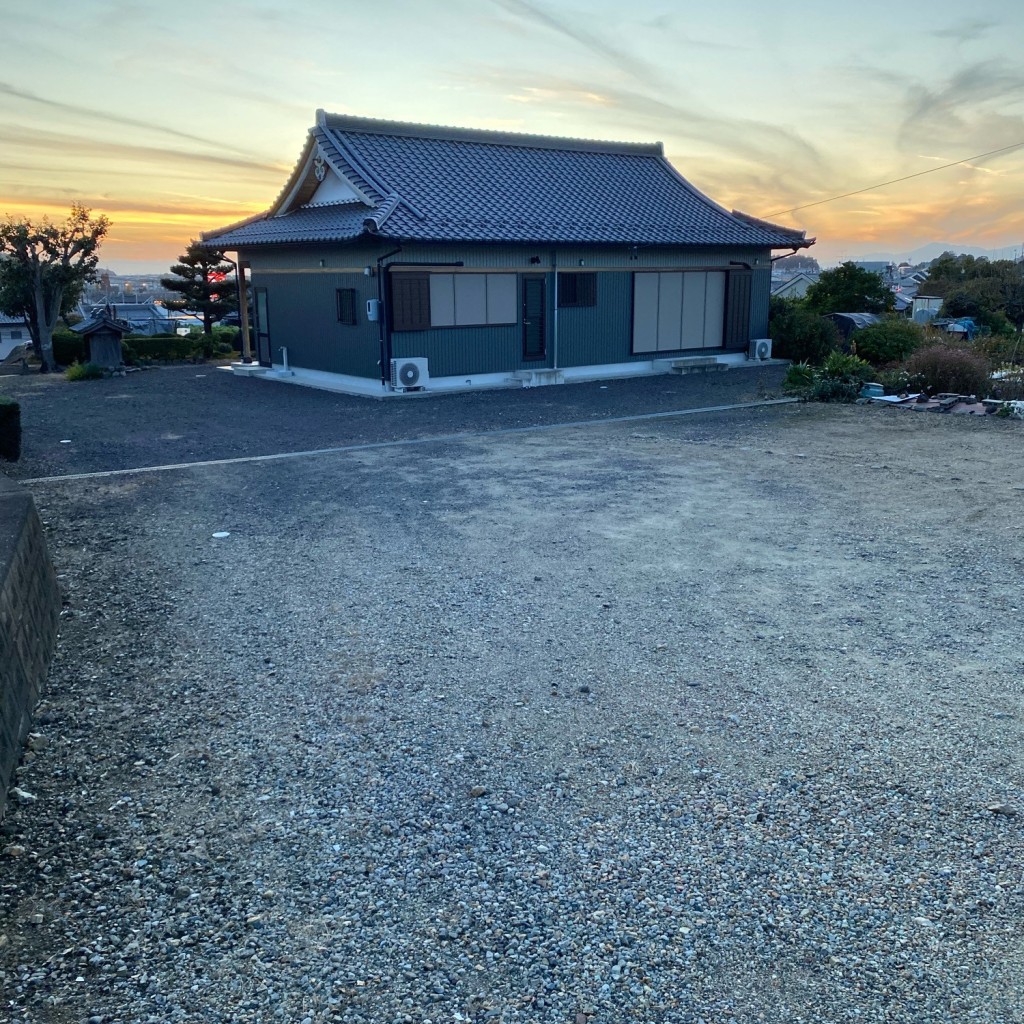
[(890, 341), (84, 371), (946, 368), (847, 367), (799, 378), (204, 346), (899, 381), (162, 347), (230, 336), (10, 429), (1002, 349), (833, 389), (68, 348), (802, 336), (839, 380)]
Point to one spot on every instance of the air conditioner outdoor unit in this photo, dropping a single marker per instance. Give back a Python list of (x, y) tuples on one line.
[(409, 374), (761, 349)]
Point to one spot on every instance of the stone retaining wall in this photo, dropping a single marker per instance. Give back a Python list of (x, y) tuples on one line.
[(29, 610)]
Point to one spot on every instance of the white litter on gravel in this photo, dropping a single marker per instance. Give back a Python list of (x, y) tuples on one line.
[(221, 534)]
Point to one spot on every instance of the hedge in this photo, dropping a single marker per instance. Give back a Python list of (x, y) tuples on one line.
[(162, 346), (10, 429), (68, 349)]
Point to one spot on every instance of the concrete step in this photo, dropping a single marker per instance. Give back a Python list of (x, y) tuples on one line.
[(698, 364)]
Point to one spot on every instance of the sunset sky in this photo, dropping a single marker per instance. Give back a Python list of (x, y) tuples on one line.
[(179, 117)]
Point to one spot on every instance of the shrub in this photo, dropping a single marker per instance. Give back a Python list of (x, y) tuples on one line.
[(890, 341), (847, 367), (10, 429), (230, 336), (1002, 349), (899, 381), (204, 346), (833, 389), (162, 346), (84, 371), (799, 378), (68, 348), (839, 380), (802, 336), (1010, 388), (945, 368)]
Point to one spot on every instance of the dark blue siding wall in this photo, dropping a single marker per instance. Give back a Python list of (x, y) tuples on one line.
[(601, 333), (303, 318), (464, 351), (301, 282)]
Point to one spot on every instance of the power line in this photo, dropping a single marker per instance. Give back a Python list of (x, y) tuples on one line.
[(896, 181)]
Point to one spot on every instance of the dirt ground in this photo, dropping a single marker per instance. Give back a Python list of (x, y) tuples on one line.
[(756, 674)]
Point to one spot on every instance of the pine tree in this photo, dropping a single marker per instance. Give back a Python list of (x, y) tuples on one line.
[(200, 279)]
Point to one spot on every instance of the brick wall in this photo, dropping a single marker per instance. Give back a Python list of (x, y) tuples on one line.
[(29, 609)]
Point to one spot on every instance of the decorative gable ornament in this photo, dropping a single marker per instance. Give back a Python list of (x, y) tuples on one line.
[(319, 167)]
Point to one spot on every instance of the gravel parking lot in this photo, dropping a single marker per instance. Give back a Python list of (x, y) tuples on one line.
[(701, 718)]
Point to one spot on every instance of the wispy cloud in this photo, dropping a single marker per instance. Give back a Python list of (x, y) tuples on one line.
[(118, 120), (966, 31), (757, 141), (972, 109), (188, 211), (592, 42), (165, 158)]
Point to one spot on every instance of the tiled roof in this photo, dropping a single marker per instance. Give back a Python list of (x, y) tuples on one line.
[(443, 184), (340, 222)]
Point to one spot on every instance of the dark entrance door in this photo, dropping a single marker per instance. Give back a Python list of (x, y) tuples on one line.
[(262, 327), (534, 333)]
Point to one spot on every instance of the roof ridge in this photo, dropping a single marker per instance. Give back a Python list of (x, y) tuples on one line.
[(371, 177), (325, 141), (486, 136)]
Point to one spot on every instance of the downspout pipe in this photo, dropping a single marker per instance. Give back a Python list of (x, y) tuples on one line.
[(385, 318), (554, 318)]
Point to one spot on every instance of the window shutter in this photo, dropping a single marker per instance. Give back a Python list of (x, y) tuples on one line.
[(737, 309), (410, 302)]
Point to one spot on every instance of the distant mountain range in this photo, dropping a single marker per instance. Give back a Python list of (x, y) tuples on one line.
[(933, 249)]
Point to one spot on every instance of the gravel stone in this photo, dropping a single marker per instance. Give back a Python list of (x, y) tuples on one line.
[(808, 834)]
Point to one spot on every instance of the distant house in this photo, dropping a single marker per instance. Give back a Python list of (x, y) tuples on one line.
[(885, 270), (141, 317), (402, 255), (794, 287), (13, 333)]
